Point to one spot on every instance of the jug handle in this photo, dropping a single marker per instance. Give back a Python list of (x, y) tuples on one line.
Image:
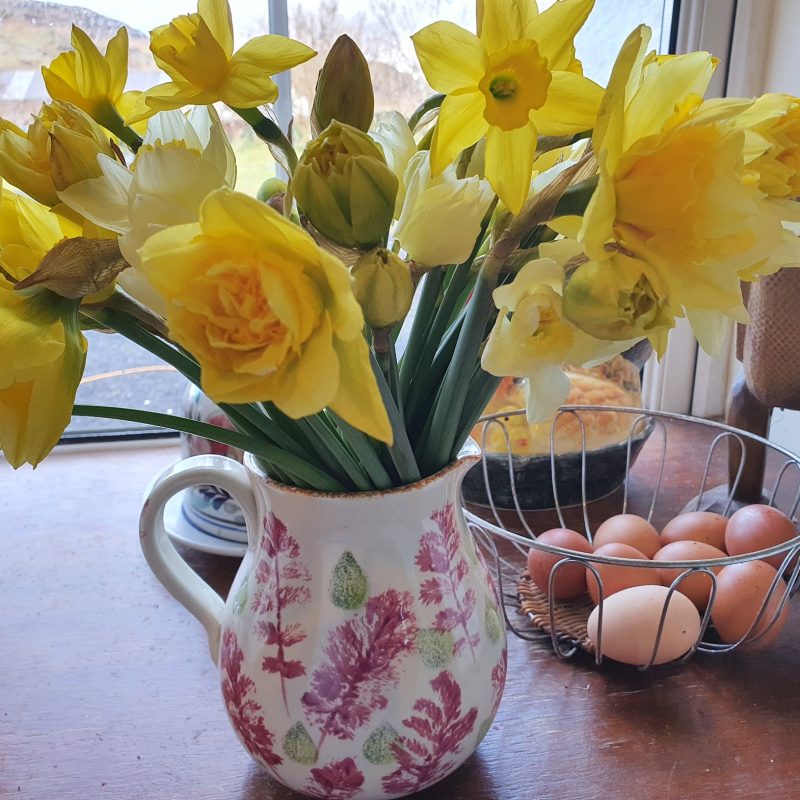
[(177, 577)]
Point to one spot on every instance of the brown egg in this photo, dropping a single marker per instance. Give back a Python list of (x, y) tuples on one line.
[(570, 580), (696, 587), (616, 578), (741, 590), (757, 527), (696, 526), (631, 530)]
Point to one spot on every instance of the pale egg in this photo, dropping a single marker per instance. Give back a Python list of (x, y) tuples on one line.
[(614, 577), (696, 587), (741, 591), (631, 530), (757, 527), (630, 625), (696, 526), (570, 579)]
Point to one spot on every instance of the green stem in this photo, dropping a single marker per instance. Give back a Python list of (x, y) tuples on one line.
[(481, 388), (449, 404), (328, 446), (298, 469), (401, 451), (269, 132), (364, 448), (423, 318), (576, 198)]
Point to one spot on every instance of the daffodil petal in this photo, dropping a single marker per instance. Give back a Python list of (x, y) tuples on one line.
[(571, 106), (451, 57), (509, 162), (598, 220), (117, 58), (358, 401), (247, 87), (217, 14), (545, 391), (460, 125), (502, 23), (272, 53), (555, 28), (709, 328)]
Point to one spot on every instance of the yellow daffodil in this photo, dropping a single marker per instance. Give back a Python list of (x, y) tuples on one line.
[(25, 160), (519, 78), (532, 338), (772, 130), (196, 52), (267, 313), (673, 189), (90, 80), (181, 160), (441, 217), (42, 351)]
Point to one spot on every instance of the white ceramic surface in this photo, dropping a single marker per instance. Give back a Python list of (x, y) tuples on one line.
[(361, 651)]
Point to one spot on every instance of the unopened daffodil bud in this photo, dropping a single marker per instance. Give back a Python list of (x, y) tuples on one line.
[(345, 188), (344, 88), (269, 188), (383, 287), (617, 299), (25, 161)]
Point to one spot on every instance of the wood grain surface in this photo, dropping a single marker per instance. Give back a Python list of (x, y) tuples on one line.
[(106, 689)]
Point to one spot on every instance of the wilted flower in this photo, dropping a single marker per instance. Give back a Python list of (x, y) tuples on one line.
[(268, 314), (441, 217), (383, 287), (196, 52), (344, 187)]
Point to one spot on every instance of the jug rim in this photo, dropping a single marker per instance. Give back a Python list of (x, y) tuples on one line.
[(469, 455)]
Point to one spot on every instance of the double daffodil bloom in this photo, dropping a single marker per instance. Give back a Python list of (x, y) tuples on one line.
[(674, 190), (268, 314), (516, 80), (196, 51), (92, 81), (533, 339), (42, 351)]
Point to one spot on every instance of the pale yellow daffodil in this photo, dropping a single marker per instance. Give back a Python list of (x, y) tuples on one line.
[(182, 159), (268, 314), (42, 351), (533, 339), (441, 217), (519, 78), (196, 52)]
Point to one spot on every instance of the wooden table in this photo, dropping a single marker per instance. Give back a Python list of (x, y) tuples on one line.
[(107, 690)]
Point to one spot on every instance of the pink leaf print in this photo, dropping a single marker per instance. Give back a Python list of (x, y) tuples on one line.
[(363, 655), (440, 552), (499, 680), (245, 713), (339, 780), (280, 577), (440, 728)]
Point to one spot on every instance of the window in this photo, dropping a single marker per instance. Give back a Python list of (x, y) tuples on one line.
[(34, 32)]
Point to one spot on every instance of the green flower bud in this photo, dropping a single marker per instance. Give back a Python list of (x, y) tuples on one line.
[(616, 300), (344, 89), (383, 287), (345, 188), (269, 188)]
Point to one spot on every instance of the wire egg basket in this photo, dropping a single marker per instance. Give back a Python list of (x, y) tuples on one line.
[(650, 433)]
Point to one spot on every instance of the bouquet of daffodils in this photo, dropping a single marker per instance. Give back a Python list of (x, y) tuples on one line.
[(530, 216)]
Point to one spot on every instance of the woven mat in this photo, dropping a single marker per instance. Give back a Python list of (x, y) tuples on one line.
[(570, 617)]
